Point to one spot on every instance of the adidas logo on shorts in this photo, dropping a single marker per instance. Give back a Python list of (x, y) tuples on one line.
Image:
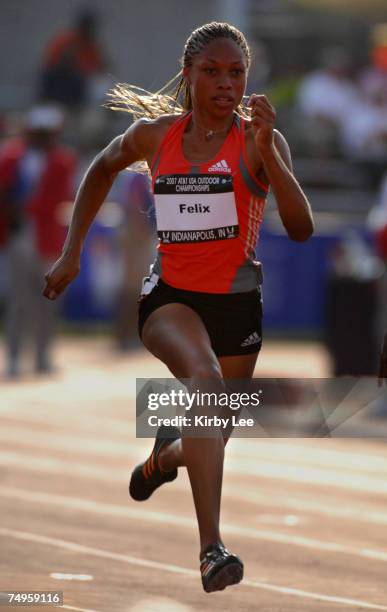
[(252, 339), (221, 166)]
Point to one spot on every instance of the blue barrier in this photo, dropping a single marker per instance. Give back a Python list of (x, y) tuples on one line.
[(294, 288), (295, 276)]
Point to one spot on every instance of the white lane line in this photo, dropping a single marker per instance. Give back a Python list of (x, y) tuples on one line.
[(309, 595), (319, 452), (77, 384), (62, 576), (304, 474), (278, 450), (106, 554), (53, 465), (345, 512), (159, 604), (84, 505), (95, 552), (89, 423)]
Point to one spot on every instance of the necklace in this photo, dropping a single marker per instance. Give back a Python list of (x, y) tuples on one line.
[(209, 134)]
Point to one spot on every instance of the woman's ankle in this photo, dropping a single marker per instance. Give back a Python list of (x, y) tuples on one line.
[(168, 457), (205, 546)]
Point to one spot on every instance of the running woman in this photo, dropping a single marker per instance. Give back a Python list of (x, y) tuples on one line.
[(212, 163)]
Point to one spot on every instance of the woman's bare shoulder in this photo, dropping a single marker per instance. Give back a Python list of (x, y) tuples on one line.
[(148, 133), (159, 124)]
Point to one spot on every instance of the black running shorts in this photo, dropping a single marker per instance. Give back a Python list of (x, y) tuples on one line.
[(233, 320)]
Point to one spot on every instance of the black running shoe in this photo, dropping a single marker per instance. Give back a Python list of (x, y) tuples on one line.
[(219, 568), (147, 477)]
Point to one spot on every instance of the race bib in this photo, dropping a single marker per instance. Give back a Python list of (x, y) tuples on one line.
[(195, 208)]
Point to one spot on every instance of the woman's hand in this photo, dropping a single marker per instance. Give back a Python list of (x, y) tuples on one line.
[(62, 273), (263, 118)]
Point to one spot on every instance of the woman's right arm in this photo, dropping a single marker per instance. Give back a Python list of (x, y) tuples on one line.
[(134, 145)]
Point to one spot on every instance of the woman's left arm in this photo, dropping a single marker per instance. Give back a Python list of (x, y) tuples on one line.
[(293, 206)]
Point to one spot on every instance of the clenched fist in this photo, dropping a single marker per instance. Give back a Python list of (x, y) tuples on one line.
[(62, 273), (263, 118)]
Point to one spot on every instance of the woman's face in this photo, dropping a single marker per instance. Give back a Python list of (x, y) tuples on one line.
[(217, 78)]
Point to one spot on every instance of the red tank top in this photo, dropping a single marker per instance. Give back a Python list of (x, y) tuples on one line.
[(208, 215)]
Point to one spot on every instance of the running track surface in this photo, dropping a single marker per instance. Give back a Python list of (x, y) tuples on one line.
[(308, 517)]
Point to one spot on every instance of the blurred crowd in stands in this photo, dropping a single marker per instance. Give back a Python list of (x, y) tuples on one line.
[(337, 111), (346, 116)]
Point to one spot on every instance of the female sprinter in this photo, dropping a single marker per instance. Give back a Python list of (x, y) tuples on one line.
[(200, 309)]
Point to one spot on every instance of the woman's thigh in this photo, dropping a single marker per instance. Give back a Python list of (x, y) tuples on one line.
[(175, 334)]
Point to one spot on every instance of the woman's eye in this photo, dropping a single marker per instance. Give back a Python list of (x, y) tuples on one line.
[(237, 71), (209, 70)]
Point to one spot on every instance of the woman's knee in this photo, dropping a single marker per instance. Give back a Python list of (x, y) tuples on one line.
[(206, 368)]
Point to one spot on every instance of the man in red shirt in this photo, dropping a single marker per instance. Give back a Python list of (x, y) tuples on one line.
[(36, 180)]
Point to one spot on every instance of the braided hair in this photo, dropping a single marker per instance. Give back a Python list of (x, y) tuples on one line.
[(171, 99)]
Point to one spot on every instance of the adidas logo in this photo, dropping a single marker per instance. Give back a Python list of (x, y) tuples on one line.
[(221, 166), (252, 339)]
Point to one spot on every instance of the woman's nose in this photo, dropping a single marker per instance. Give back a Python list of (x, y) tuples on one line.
[(224, 82)]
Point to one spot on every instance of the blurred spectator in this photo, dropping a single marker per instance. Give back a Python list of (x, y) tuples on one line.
[(375, 75), (327, 93), (364, 132), (36, 179), (137, 248), (324, 99), (73, 64)]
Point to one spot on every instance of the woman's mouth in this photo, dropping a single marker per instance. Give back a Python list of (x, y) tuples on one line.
[(223, 101)]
